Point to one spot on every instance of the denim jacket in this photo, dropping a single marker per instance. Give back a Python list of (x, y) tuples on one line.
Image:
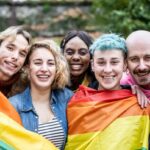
[(23, 104)]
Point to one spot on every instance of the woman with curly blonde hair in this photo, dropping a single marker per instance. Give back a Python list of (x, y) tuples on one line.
[(42, 106)]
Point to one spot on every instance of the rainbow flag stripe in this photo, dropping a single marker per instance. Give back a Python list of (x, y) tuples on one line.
[(8, 109), (15, 137), (107, 120)]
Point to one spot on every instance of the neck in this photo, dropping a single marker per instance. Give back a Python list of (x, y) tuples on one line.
[(76, 81), (7, 80), (40, 95), (3, 77), (77, 78)]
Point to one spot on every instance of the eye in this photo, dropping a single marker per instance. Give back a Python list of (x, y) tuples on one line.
[(37, 63), (50, 63), (69, 52), (83, 52), (10, 48), (134, 59), (23, 54), (147, 58), (101, 63), (114, 62)]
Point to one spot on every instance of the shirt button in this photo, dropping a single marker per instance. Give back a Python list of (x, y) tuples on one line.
[(35, 129), (36, 117), (60, 121)]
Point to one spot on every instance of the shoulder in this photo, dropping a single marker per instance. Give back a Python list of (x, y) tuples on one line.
[(64, 94), (18, 96), (65, 91), (18, 99)]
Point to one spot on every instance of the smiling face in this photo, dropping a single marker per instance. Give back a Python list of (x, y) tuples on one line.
[(12, 56), (108, 67), (77, 55), (42, 69), (139, 63)]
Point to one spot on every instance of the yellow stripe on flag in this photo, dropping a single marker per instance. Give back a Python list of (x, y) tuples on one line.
[(127, 133), (19, 138)]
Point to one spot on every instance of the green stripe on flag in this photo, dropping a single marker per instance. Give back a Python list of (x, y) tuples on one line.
[(143, 148), (5, 146)]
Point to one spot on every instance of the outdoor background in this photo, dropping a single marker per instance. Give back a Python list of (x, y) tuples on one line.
[(53, 18)]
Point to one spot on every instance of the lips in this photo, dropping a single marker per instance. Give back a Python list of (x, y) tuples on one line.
[(10, 65), (43, 77), (76, 66), (141, 74), (108, 78)]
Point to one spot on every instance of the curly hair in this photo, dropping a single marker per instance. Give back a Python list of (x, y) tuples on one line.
[(62, 77)]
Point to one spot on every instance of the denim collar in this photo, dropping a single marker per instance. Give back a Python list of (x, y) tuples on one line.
[(27, 100)]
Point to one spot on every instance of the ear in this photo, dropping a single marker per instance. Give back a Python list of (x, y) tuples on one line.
[(92, 65)]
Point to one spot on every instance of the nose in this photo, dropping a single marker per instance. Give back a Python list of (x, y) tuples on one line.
[(76, 56), (107, 68), (15, 55), (44, 67), (142, 65)]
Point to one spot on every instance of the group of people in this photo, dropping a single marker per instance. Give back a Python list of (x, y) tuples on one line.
[(42, 79)]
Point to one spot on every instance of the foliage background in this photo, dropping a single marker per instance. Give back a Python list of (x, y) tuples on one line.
[(50, 18), (121, 16)]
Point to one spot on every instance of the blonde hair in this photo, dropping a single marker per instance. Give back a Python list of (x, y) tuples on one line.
[(13, 31), (62, 77)]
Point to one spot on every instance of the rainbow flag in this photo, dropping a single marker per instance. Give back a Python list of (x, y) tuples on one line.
[(13, 136), (8, 109), (107, 120)]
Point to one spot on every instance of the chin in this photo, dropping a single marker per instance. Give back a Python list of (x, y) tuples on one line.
[(76, 74)]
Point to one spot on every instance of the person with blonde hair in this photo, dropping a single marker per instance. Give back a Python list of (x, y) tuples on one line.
[(14, 44), (42, 106)]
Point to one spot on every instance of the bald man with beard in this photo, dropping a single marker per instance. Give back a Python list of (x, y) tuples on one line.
[(138, 59)]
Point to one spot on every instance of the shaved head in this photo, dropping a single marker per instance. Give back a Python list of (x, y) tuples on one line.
[(139, 37), (138, 44)]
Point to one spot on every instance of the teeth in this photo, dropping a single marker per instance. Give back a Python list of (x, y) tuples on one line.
[(109, 78), (11, 65), (43, 76), (76, 66)]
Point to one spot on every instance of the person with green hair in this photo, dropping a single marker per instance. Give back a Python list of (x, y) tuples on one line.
[(109, 60), (108, 115)]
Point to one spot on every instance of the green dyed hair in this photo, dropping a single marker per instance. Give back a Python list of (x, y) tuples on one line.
[(109, 42)]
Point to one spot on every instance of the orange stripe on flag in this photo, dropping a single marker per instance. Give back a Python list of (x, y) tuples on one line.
[(8, 109), (92, 116)]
